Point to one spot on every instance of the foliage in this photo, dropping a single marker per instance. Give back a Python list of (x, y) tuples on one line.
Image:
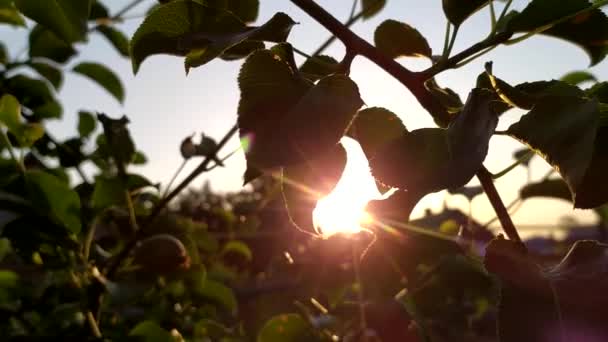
[(108, 255)]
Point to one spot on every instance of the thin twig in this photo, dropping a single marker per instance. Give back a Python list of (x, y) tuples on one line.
[(126, 9), (485, 178), (415, 83), (177, 172), (117, 261)]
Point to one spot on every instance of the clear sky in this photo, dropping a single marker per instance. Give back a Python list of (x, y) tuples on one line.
[(165, 106)]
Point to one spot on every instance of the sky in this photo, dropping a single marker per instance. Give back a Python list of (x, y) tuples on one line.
[(164, 105)]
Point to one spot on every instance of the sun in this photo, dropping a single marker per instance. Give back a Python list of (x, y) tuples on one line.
[(343, 210)]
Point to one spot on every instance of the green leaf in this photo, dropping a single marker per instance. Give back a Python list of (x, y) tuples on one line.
[(219, 293), (66, 18), (10, 116), (578, 77), (205, 47), (10, 112), (103, 76), (588, 29), (118, 139), (139, 158), (242, 50), (98, 11), (44, 43), (337, 95), (372, 7), (150, 331), (238, 247), (285, 328), (51, 73), (117, 38), (432, 159), (375, 127), (49, 193), (396, 39), (86, 124), (9, 14), (269, 88), (318, 67), (305, 183), (457, 11), (8, 279), (111, 191), (189, 28), (3, 54), (31, 92), (36, 95), (564, 131), (448, 98)]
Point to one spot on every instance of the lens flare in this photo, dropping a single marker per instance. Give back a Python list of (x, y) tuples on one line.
[(343, 210)]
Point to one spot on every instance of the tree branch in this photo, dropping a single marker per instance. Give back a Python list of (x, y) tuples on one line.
[(113, 267), (411, 80), (415, 83), (485, 178)]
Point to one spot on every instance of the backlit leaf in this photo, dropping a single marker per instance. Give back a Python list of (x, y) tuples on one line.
[(588, 29), (49, 193), (432, 159), (318, 67), (397, 39), (10, 115), (372, 7), (200, 32), (269, 88), (375, 127), (285, 328), (564, 131), (577, 77), (304, 184), (457, 11)]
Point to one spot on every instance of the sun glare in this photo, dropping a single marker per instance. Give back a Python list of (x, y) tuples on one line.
[(343, 210)]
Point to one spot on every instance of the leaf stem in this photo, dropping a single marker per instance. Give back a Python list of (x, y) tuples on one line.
[(177, 172), (353, 9), (485, 178), (126, 9), (113, 267), (93, 325), (508, 169), (446, 38), (453, 61), (11, 151), (493, 15), (504, 10)]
